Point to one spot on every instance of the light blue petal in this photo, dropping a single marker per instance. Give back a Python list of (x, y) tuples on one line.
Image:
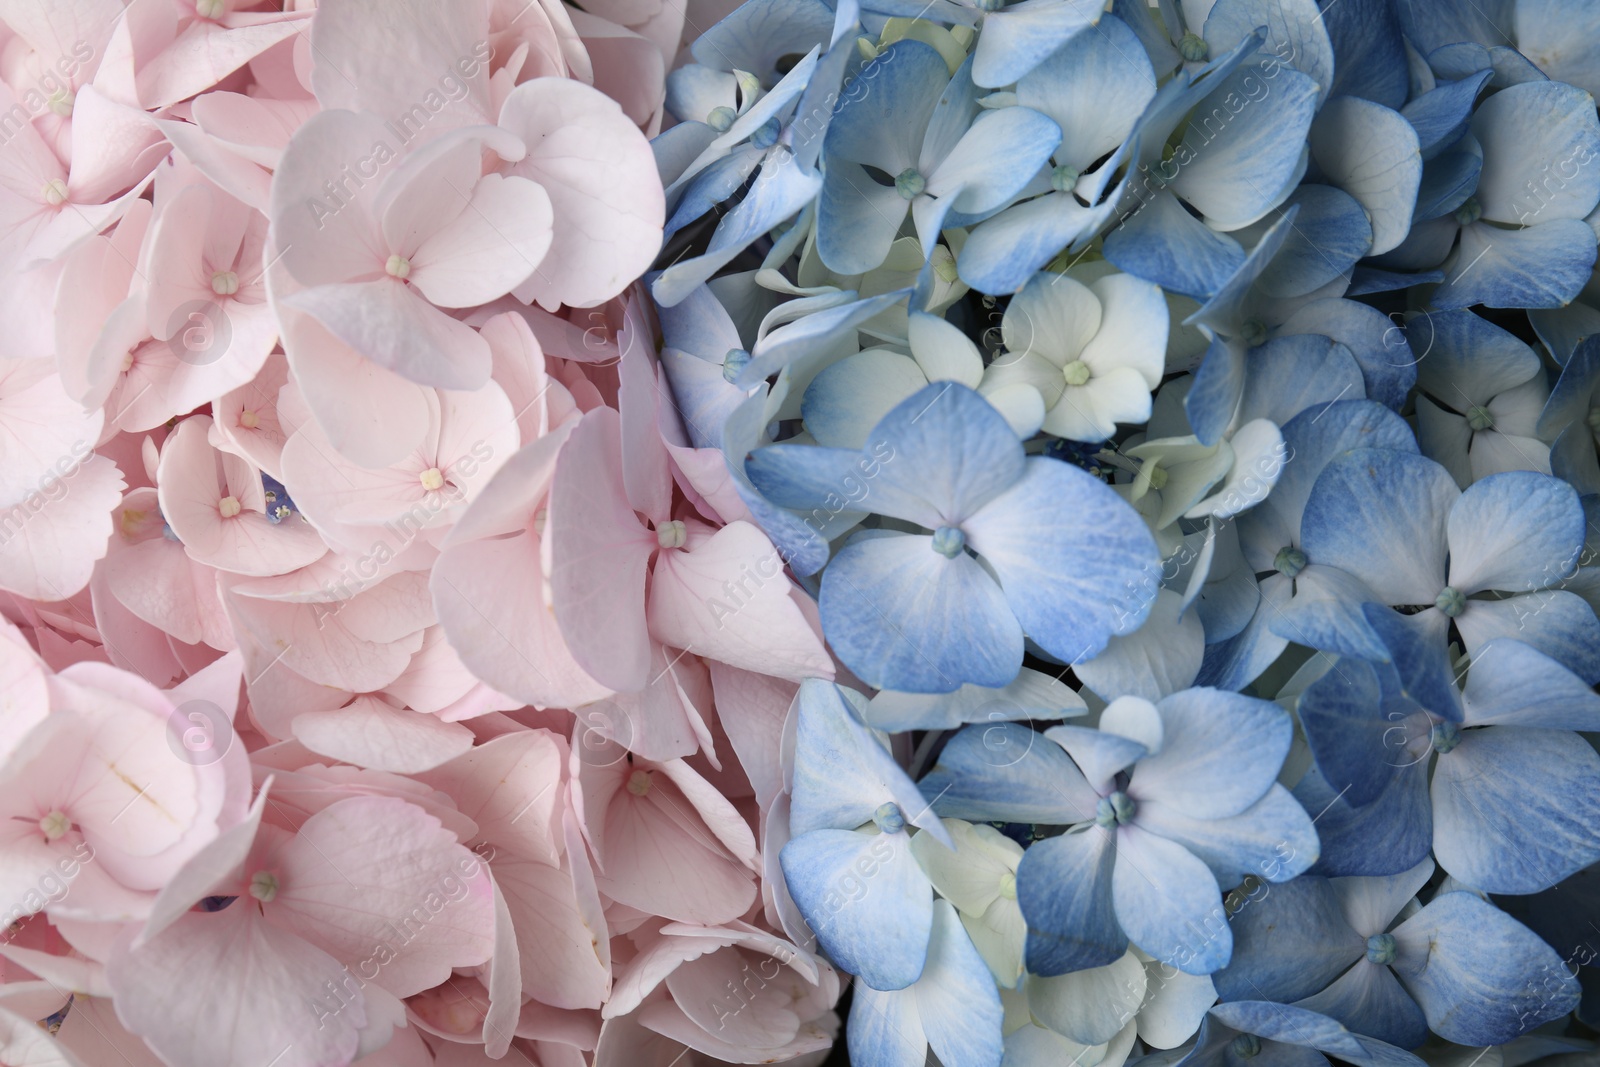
[(810, 335), (1168, 903), (1432, 26), (1369, 999), (952, 116), (857, 218), (1099, 753), (1240, 660), (1371, 152), (1162, 243), (1312, 439), (1064, 891), (1572, 459), (1239, 159), (1329, 236), (1286, 1023), (803, 477), (1018, 37), (1367, 280), (1357, 746), (1514, 684), (1157, 46), (1380, 516), (693, 90), (866, 899), (1379, 345), (1526, 132), (1004, 772), (1159, 658), (1481, 977), (1325, 614), (956, 996), (1218, 384), (1219, 754), (1515, 532), (1370, 904), (903, 616), (1466, 359), (1003, 252), (1516, 810), (779, 192), (814, 113), (1289, 941), (1390, 835), (700, 326), (1440, 115), (1293, 372), (1226, 311), (1272, 839), (1448, 182), (703, 398), (1574, 392), (676, 148), (842, 775), (886, 107), (1422, 672), (1369, 55), (1032, 696), (1542, 266), (1094, 87), (885, 1029), (996, 157), (1076, 562), (757, 34), (1294, 29)]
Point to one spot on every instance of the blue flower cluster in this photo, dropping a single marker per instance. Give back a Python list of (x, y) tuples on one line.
[(1185, 414)]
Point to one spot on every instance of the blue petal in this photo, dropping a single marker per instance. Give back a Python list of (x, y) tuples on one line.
[(811, 334), (1218, 384), (1557, 622), (1311, 440), (956, 996), (885, 1029), (1432, 26), (1077, 563), (1369, 54), (1325, 614), (1286, 1023), (1168, 903), (1367, 280), (1514, 684), (1516, 531), (1100, 753), (807, 476), (1371, 153), (1370, 1000), (886, 108), (1272, 839), (866, 899), (1542, 266), (1522, 130), (1448, 181), (1563, 329), (1293, 372), (1516, 810), (1064, 891), (1575, 390), (1466, 359), (693, 90), (1240, 660), (1005, 251), (1018, 37), (1226, 311), (1421, 667), (1381, 515), (1094, 87), (757, 34), (903, 616), (1387, 362), (1356, 746), (1219, 753), (995, 157), (1330, 235), (703, 398), (1389, 835), (857, 218), (1162, 243), (1004, 772), (1237, 161), (1032, 696), (1289, 941), (1294, 29), (1440, 115), (700, 326), (1371, 903), (842, 775), (1481, 977)]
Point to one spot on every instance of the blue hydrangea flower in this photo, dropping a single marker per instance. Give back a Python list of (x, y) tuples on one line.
[(1012, 545)]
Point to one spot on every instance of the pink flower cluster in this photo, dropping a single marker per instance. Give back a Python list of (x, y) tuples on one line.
[(383, 677)]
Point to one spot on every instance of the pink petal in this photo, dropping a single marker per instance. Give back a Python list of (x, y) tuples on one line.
[(390, 324), (49, 545), (499, 240), (509, 786), (375, 734), (560, 966)]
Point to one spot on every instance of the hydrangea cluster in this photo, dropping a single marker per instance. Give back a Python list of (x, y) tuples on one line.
[(963, 532), (1185, 417)]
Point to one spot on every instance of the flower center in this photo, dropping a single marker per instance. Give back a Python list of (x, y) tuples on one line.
[(1469, 212), (225, 283), (249, 419), (766, 134), (1193, 48), (229, 506), (1063, 178), (1158, 474), (1444, 737), (62, 102), (1253, 332), (54, 824), (54, 192), (1247, 1046), (1008, 886), (1594, 419), (720, 118), (1076, 372), (398, 266), (1117, 809), (948, 541), (431, 479), (889, 818), (734, 363), (211, 9), (910, 183), (1479, 419), (1289, 561), (264, 886), (639, 783), (672, 534), (1380, 949), (1451, 601)]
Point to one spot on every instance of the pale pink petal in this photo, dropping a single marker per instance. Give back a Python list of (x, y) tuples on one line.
[(560, 965), (205, 53), (372, 733), (44, 433), (751, 708), (494, 244), (510, 786), (49, 545)]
